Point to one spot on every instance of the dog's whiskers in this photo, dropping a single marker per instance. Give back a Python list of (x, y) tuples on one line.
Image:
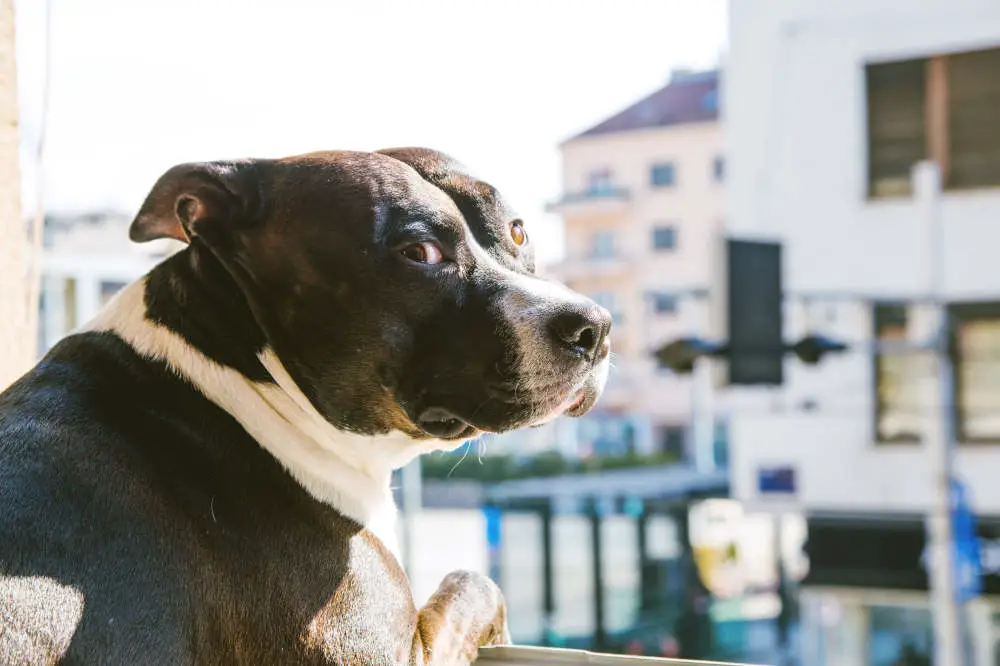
[(462, 459)]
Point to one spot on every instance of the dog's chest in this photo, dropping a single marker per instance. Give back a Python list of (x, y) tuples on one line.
[(353, 607)]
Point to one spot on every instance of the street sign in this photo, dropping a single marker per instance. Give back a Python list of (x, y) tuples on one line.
[(968, 569), (776, 480)]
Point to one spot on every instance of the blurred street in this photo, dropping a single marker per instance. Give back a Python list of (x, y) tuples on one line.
[(788, 208)]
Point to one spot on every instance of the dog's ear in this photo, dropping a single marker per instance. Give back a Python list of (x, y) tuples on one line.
[(189, 196)]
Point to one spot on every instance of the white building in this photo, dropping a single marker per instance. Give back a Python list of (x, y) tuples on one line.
[(87, 258), (827, 106)]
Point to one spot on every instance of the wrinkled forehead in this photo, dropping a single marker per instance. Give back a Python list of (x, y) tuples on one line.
[(360, 185)]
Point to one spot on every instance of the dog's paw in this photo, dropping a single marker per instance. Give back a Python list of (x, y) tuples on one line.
[(466, 612)]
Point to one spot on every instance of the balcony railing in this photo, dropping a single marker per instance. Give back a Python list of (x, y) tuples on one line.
[(594, 199)]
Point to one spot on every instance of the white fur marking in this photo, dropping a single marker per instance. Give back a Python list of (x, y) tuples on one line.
[(350, 472)]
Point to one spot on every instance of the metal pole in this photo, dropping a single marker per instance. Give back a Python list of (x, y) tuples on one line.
[(548, 575), (703, 416), (411, 479), (597, 552), (702, 407), (939, 431)]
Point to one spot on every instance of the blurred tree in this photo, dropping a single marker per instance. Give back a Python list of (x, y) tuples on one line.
[(17, 340), (489, 469)]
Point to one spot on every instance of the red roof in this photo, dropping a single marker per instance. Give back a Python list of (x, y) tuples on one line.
[(688, 98)]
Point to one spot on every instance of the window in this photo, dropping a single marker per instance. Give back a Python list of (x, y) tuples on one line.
[(940, 108), (600, 182), (896, 121), (672, 441), (662, 175), (718, 169), (897, 407), (899, 635), (664, 303), (602, 245), (108, 290), (976, 343), (664, 238)]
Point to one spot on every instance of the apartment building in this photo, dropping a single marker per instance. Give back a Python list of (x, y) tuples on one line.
[(642, 202), (829, 106), (87, 258)]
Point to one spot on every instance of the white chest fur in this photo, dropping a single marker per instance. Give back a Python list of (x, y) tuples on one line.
[(350, 472)]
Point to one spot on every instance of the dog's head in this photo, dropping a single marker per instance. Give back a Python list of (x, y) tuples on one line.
[(397, 290)]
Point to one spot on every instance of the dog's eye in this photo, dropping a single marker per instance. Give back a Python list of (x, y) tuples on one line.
[(517, 233), (423, 253)]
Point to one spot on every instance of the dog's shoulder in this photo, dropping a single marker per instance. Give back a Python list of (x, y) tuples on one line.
[(89, 396)]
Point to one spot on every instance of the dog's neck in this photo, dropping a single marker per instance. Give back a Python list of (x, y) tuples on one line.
[(158, 316)]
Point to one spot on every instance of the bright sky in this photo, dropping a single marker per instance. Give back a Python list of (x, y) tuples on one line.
[(138, 86)]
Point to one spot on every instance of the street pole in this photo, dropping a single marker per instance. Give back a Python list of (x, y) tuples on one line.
[(703, 415), (706, 311), (411, 480), (939, 428)]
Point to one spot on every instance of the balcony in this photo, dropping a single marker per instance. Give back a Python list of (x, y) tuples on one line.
[(603, 200), (590, 265)]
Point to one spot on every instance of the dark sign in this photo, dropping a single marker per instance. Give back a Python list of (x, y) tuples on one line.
[(754, 314), (776, 480), (887, 553)]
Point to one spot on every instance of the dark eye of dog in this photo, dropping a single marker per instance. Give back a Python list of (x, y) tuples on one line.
[(517, 232), (423, 253)]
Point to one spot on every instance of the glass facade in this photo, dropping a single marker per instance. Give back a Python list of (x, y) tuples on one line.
[(900, 636)]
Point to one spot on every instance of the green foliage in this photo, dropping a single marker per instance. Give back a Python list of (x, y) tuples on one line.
[(494, 468)]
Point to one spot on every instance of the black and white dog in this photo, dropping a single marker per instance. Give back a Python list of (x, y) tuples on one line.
[(201, 475)]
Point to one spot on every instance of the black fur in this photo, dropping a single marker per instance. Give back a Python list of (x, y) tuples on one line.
[(188, 541)]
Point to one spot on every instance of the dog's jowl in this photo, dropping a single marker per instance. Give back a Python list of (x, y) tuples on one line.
[(201, 474)]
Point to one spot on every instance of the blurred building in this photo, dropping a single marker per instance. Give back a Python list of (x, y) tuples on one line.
[(642, 202), (828, 107), (87, 258)]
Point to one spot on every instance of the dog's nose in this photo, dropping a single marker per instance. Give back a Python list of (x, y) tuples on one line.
[(582, 329)]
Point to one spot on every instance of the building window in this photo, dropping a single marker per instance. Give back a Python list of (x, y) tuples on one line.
[(976, 344), (600, 182), (602, 245), (664, 303), (108, 290), (609, 301), (663, 175), (718, 169), (900, 635), (940, 108), (664, 238), (897, 375), (672, 441)]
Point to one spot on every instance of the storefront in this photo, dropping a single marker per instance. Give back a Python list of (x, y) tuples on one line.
[(865, 599)]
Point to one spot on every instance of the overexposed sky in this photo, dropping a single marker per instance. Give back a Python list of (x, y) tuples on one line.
[(139, 85)]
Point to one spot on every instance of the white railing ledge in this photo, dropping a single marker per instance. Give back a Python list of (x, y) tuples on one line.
[(517, 655)]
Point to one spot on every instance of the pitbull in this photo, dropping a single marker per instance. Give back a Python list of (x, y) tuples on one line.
[(201, 474)]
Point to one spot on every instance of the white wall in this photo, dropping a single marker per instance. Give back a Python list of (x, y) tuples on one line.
[(794, 108)]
